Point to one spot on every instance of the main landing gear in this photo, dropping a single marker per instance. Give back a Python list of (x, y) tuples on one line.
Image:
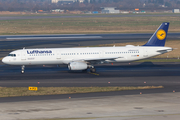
[(22, 69), (92, 69)]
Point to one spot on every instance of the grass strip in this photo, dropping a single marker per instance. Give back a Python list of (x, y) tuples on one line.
[(23, 91), (84, 25)]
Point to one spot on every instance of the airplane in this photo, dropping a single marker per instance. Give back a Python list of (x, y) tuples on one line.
[(86, 57)]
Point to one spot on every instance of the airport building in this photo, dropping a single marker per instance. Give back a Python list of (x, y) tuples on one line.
[(175, 10), (66, 1), (108, 10)]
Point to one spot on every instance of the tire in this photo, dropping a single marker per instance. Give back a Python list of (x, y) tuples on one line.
[(93, 70)]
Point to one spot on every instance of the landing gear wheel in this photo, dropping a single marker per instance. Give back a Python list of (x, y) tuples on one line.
[(22, 69), (22, 72), (93, 70)]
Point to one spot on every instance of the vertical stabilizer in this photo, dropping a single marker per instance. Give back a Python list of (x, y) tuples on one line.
[(159, 37)]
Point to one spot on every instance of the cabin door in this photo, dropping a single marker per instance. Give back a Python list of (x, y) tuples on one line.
[(101, 54), (145, 53), (58, 54), (23, 55)]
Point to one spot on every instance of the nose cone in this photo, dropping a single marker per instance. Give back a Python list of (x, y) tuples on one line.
[(4, 60)]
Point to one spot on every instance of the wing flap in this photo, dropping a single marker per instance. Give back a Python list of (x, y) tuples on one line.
[(97, 59)]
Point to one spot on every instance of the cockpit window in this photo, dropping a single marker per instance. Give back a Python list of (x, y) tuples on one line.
[(13, 55)]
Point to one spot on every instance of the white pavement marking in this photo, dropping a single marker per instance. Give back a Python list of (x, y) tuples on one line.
[(40, 35), (30, 38)]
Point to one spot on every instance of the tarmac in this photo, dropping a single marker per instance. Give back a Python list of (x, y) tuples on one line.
[(164, 106)]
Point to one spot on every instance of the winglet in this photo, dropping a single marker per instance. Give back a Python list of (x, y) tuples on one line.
[(159, 37)]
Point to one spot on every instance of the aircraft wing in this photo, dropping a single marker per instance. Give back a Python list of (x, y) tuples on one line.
[(91, 60), (99, 59), (96, 59)]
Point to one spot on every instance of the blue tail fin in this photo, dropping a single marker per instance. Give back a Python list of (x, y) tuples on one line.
[(159, 37)]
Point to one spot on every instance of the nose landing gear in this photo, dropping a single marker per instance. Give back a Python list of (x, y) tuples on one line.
[(22, 69)]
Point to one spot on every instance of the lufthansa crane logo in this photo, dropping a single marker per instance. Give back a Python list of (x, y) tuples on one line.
[(161, 34)]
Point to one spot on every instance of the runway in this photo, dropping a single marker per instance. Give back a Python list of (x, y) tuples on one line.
[(124, 74), (20, 17), (119, 74), (9, 43)]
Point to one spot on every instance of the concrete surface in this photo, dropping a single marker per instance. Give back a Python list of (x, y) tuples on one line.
[(161, 106)]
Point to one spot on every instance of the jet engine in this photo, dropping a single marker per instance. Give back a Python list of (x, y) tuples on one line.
[(77, 66)]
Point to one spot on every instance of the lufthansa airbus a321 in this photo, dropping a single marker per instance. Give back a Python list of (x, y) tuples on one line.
[(85, 58)]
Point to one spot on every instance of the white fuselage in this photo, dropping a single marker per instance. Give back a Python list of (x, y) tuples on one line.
[(67, 55)]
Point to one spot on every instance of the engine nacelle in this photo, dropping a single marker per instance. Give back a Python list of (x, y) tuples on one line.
[(77, 66)]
